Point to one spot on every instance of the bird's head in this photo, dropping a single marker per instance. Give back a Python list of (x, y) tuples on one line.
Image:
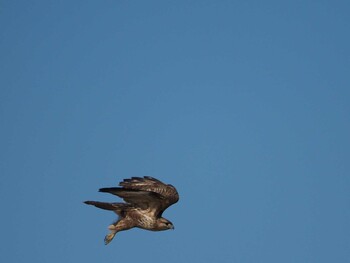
[(164, 224)]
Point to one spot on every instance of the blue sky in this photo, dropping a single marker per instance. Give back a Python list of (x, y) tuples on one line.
[(242, 105)]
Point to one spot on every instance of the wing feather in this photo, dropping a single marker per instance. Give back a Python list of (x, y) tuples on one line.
[(146, 193), (141, 199), (119, 208)]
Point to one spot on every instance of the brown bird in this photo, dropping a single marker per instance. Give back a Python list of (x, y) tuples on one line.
[(145, 201)]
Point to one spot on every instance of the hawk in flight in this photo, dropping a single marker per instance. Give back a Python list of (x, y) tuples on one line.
[(145, 201)]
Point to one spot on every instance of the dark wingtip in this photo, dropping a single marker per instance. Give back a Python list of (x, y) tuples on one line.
[(105, 190), (88, 202), (110, 190)]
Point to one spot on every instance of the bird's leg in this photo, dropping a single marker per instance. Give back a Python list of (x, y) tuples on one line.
[(109, 237), (120, 225)]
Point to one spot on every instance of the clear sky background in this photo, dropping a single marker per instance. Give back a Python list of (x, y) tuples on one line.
[(244, 106)]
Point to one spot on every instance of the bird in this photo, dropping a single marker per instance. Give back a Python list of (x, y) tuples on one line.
[(145, 198)]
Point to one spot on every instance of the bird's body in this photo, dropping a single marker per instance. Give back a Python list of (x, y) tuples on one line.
[(145, 200)]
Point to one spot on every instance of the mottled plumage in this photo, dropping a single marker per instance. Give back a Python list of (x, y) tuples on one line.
[(145, 201)]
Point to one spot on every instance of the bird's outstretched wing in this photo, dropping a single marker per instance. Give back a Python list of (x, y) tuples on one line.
[(146, 193), (119, 208)]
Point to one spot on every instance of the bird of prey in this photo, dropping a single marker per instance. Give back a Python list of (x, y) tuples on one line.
[(145, 201)]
